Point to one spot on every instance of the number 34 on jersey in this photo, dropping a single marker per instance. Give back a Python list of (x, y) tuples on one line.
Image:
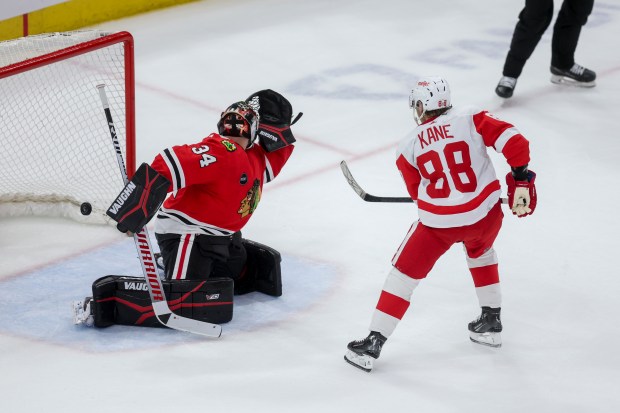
[(206, 159)]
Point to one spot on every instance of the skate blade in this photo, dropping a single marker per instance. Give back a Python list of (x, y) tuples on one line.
[(78, 310), (362, 362), (486, 339), (563, 80), (79, 316)]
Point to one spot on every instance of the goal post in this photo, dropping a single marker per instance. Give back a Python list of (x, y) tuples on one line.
[(55, 152)]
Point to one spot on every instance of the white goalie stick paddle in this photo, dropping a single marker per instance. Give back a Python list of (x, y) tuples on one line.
[(373, 198), (143, 244)]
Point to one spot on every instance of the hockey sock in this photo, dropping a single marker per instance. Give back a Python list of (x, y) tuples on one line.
[(484, 272), (393, 302), (486, 280)]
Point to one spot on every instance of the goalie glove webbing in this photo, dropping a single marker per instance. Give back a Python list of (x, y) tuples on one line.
[(275, 114)]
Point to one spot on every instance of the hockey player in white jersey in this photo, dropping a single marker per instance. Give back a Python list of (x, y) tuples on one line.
[(448, 172)]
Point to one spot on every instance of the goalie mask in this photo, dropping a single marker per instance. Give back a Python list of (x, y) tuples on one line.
[(239, 120), (429, 94)]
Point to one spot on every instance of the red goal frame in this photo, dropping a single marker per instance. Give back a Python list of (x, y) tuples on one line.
[(113, 38)]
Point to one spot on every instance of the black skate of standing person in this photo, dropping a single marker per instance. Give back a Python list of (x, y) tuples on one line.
[(533, 21)]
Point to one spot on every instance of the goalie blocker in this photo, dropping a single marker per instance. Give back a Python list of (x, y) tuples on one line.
[(125, 300), (140, 200)]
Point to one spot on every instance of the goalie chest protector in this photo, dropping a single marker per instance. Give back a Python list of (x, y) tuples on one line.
[(125, 300)]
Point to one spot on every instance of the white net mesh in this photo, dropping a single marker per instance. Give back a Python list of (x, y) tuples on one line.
[(56, 148)]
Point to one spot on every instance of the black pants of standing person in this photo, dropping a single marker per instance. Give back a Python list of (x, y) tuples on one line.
[(534, 20)]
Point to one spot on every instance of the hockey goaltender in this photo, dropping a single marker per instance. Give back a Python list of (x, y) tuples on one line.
[(215, 186)]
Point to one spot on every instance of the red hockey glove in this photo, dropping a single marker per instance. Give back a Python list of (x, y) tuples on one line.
[(522, 194)]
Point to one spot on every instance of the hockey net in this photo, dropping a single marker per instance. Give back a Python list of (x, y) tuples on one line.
[(56, 151)]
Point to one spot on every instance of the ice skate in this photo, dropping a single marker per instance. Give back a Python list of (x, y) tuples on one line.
[(486, 328), (361, 353), (82, 313), (506, 87), (575, 76)]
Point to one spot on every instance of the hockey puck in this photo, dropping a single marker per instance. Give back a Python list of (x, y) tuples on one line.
[(86, 208)]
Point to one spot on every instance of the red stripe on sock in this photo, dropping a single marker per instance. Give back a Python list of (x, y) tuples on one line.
[(484, 276), (392, 305), (184, 253)]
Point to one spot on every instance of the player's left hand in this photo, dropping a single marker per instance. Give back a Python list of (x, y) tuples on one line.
[(522, 196), (275, 119)]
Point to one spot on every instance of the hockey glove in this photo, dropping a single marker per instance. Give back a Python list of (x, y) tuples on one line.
[(275, 114), (522, 194), (139, 200)]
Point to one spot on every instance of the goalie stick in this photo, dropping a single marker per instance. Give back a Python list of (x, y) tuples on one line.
[(143, 244), (373, 198)]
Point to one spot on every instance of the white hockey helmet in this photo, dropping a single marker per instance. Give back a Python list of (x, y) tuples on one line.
[(430, 93)]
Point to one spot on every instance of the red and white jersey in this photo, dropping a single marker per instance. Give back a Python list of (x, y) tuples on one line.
[(448, 171), (216, 185)]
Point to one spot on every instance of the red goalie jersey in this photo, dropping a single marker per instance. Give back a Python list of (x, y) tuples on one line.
[(216, 184), (448, 171)]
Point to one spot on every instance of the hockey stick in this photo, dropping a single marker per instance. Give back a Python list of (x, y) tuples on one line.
[(365, 196), (373, 198), (143, 244)]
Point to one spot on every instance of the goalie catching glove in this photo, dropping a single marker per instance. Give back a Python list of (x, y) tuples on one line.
[(521, 191), (140, 200), (275, 119)]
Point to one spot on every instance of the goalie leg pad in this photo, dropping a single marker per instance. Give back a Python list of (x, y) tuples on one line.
[(262, 271), (125, 300)]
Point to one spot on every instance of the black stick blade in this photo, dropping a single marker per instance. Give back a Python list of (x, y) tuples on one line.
[(365, 196)]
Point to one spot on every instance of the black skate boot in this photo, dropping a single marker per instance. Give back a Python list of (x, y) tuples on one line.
[(362, 352), (575, 76), (506, 87), (487, 327)]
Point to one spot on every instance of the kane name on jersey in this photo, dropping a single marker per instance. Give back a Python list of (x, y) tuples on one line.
[(448, 171)]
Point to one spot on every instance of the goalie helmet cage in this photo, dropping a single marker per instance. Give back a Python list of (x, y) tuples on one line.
[(56, 151)]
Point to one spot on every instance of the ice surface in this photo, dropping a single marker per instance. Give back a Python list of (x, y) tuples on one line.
[(348, 65)]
